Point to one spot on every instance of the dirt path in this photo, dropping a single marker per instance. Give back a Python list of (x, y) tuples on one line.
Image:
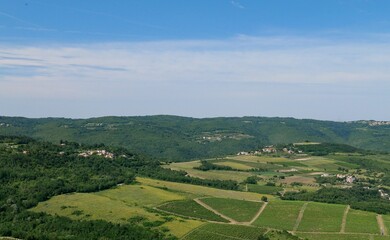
[(232, 221), (258, 213), (342, 230), (381, 224), (299, 218)]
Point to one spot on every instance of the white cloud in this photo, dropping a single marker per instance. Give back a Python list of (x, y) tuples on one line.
[(79, 71)]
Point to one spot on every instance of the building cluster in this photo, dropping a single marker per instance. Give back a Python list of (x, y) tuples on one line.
[(384, 194), (268, 149), (103, 153), (5, 125), (347, 178)]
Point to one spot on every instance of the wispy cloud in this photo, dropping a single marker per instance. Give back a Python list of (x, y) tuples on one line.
[(237, 4), (248, 69)]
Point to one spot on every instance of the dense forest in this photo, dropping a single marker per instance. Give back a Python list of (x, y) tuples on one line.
[(32, 171), (179, 138)]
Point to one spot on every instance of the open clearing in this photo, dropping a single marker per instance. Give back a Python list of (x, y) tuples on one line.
[(239, 210)]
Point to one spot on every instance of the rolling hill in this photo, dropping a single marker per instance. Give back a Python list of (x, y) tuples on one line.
[(181, 138)]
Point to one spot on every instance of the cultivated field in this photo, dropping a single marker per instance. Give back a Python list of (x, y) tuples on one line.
[(280, 215), (360, 221), (321, 217), (224, 231), (192, 209), (239, 210), (201, 191), (120, 205)]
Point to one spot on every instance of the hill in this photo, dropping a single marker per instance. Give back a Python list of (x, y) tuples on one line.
[(180, 138)]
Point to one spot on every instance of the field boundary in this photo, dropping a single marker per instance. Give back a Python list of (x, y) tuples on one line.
[(344, 222), (381, 224), (300, 216), (258, 213)]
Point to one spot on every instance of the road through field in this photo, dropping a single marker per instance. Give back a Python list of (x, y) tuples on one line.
[(258, 213), (344, 222), (232, 221), (381, 224), (300, 216)]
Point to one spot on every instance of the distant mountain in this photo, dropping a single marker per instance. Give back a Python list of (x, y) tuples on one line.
[(180, 138)]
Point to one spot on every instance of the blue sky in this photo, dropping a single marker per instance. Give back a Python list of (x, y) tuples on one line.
[(323, 59)]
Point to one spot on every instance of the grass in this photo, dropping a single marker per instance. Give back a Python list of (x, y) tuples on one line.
[(279, 215), (225, 231), (258, 159), (118, 205), (147, 195), (322, 217), (332, 236), (234, 165), (239, 210), (264, 189), (360, 221), (386, 220), (212, 174), (202, 191), (191, 209)]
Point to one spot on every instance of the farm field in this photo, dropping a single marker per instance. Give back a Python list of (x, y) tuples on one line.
[(332, 236), (239, 210), (234, 165), (360, 221), (321, 217), (190, 208), (211, 174), (224, 231), (120, 205), (201, 191), (279, 215), (263, 189)]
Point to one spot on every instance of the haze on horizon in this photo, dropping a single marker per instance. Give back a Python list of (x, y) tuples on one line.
[(325, 60)]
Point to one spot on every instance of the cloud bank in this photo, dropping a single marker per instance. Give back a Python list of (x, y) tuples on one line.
[(193, 71)]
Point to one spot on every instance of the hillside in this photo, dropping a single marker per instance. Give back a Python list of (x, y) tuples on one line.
[(180, 138)]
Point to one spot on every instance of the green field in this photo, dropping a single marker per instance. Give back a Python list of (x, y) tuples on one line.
[(239, 210), (234, 165), (211, 174), (360, 221), (190, 208), (201, 191), (321, 217), (118, 205), (263, 189), (332, 236), (386, 220), (279, 215), (223, 231)]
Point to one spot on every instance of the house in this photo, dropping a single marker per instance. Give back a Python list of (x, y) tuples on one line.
[(350, 179), (269, 149)]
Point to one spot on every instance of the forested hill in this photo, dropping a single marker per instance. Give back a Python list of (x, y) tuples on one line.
[(180, 138)]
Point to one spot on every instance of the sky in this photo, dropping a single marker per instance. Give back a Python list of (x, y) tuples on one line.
[(325, 59)]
